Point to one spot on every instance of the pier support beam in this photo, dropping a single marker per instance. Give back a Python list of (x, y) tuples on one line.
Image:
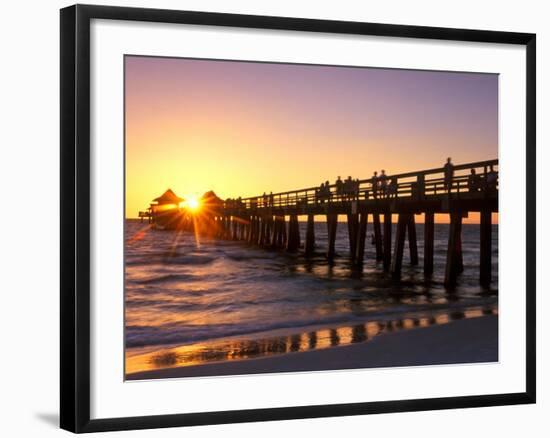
[(332, 223), (253, 230), (397, 261), (310, 234), (263, 231), (220, 227), (258, 230), (236, 227), (293, 234), (276, 238), (244, 226), (460, 258), (281, 233), (485, 241), (297, 230), (253, 238), (387, 241), (413, 246), (361, 236), (377, 236), (353, 220), (429, 243), (284, 234), (227, 227), (454, 250), (270, 230)]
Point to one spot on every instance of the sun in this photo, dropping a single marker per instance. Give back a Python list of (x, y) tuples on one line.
[(192, 203)]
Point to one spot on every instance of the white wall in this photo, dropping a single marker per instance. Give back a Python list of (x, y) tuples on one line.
[(29, 248)]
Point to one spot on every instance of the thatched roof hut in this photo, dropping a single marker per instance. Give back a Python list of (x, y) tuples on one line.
[(210, 198), (168, 197)]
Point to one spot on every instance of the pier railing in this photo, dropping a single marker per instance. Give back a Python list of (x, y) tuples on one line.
[(417, 184)]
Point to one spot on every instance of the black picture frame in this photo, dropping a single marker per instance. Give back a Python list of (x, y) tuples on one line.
[(75, 216)]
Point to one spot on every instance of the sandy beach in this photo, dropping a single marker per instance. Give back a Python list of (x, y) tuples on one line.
[(461, 341)]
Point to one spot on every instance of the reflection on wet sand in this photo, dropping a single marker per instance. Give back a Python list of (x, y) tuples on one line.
[(235, 349)]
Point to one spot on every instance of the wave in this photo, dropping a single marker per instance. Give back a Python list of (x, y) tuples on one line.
[(182, 334), (166, 278)]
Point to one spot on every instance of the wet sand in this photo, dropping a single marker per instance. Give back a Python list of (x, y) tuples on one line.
[(462, 341)]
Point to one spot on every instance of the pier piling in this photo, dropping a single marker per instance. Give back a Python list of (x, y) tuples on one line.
[(310, 235), (263, 231), (429, 243), (454, 250), (413, 246), (275, 235), (361, 236), (353, 220), (293, 233), (377, 236), (254, 230), (387, 241), (485, 240), (397, 261), (235, 228), (332, 223), (284, 234), (244, 229)]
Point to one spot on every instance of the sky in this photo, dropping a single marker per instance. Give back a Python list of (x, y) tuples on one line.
[(244, 128)]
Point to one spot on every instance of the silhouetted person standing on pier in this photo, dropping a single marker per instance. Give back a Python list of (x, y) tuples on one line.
[(327, 193), (491, 180), (473, 181), (339, 187), (320, 193), (448, 171), (374, 183), (392, 189), (383, 178), (348, 188)]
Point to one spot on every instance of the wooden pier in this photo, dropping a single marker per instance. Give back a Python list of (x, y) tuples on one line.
[(271, 221)]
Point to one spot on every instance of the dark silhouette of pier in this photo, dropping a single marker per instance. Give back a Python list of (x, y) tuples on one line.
[(271, 220)]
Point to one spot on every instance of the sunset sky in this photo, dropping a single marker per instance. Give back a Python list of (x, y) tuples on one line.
[(244, 128)]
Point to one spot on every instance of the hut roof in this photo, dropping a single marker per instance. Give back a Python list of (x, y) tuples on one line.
[(210, 197), (168, 197)]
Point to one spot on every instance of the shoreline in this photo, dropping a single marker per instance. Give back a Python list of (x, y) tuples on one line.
[(472, 340), (434, 312)]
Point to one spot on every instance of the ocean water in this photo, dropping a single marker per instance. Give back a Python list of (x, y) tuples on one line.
[(181, 291)]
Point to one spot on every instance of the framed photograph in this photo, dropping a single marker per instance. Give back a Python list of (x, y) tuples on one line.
[(269, 218)]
